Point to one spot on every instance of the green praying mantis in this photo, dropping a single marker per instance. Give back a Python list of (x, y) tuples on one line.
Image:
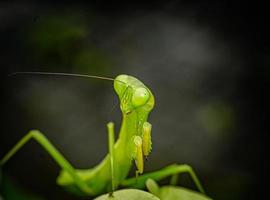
[(133, 144)]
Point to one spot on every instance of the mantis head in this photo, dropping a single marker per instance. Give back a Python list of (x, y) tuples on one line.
[(133, 94)]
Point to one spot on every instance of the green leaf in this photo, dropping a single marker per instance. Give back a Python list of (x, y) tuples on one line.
[(128, 194), (179, 193)]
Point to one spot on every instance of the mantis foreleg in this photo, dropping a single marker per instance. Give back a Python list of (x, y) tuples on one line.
[(139, 182), (56, 155)]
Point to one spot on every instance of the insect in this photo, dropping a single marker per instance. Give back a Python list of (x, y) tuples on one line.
[(133, 144)]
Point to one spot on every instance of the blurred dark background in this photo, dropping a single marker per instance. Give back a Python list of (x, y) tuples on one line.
[(207, 64)]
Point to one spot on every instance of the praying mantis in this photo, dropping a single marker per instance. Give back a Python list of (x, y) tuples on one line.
[(133, 144)]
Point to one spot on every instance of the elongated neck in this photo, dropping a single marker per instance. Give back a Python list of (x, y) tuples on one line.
[(132, 125)]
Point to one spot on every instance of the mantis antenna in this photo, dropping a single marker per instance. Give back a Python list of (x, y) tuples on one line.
[(65, 74)]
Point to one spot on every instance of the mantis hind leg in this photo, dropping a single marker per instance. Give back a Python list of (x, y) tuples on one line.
[(163, 173), (54, 153)]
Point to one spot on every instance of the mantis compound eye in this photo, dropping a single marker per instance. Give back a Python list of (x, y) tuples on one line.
[(140, 97)]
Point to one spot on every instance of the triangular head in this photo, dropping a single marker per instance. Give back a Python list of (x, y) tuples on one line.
[(133, 94)]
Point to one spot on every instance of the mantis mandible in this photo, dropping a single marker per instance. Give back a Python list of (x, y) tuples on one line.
[(133, 143)]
